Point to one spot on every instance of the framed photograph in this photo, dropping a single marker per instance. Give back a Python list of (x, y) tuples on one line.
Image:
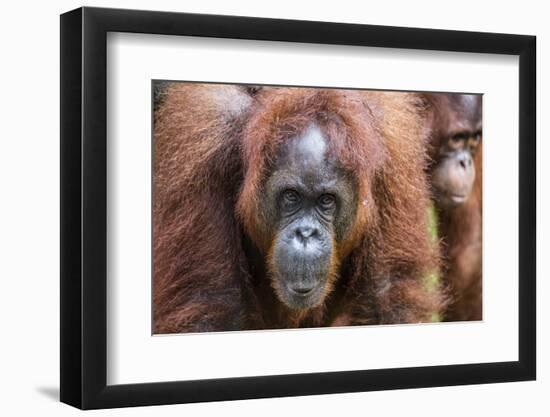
[(258, 208)]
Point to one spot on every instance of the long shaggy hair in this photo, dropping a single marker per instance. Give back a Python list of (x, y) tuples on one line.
[(213, 149), (459, 228)]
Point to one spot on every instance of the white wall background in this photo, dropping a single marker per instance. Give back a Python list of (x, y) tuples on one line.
[(29, 210)]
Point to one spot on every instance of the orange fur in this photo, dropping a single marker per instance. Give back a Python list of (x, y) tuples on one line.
[(459, 228), (461, 234), (214, 146)]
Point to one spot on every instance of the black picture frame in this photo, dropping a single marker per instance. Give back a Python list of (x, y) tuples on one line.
[(84, 207)]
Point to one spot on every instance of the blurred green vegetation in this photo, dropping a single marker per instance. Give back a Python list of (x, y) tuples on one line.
[(432, 223), (432, 279)]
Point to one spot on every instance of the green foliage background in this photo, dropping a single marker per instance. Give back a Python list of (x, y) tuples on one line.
[(432, 279)]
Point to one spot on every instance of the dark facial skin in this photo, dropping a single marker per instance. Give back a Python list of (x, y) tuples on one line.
[(454, 174), (310, 205)]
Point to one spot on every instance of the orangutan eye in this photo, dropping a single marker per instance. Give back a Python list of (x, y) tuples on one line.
[(474, 141), (327, 201), (458, 137), (291, 196), (457, 140), (290, 200)]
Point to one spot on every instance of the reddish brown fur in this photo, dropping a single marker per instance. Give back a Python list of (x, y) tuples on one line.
[(459, 228), (213, 149)]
